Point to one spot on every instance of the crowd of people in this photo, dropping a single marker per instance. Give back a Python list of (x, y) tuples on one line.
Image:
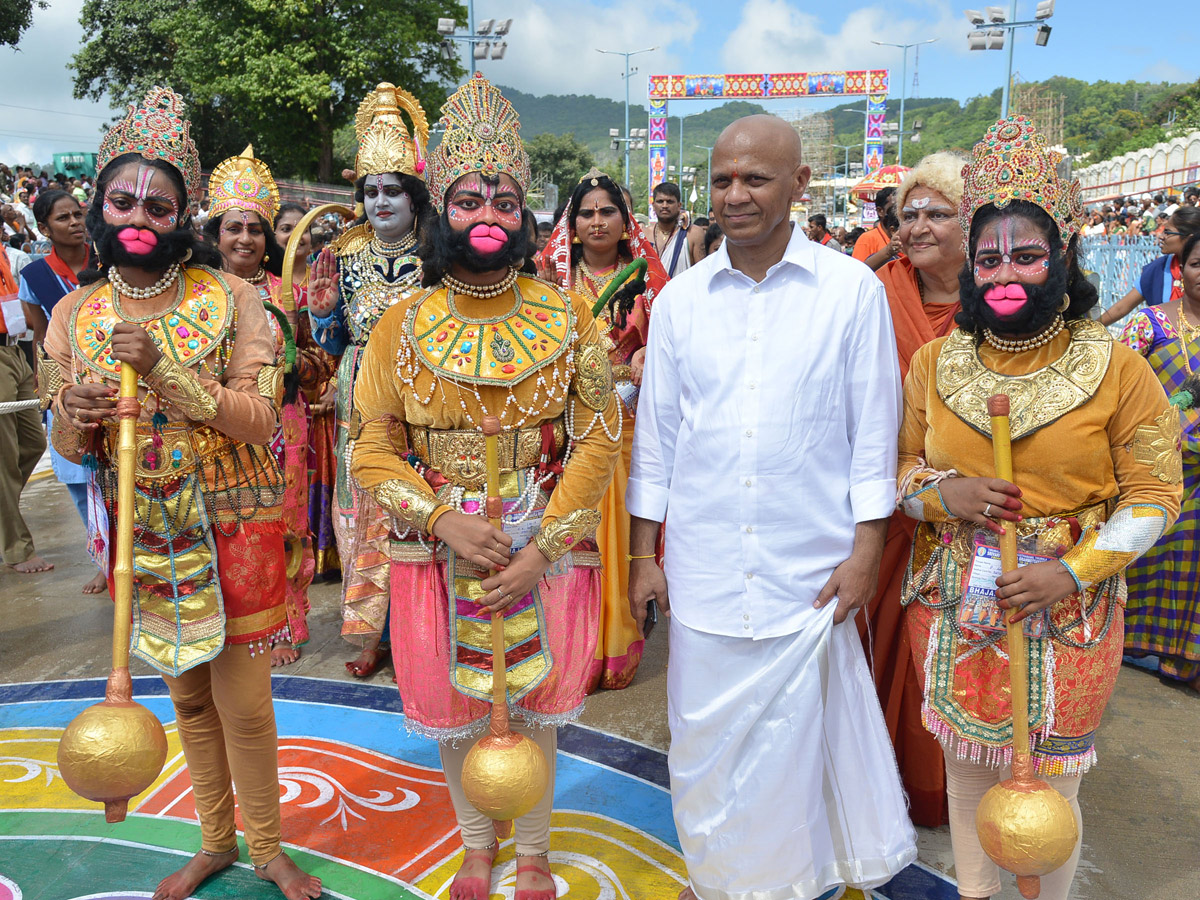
[(758, 427)]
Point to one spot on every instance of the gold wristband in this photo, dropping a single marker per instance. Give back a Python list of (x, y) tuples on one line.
[(629, 557), (180, 387), (559, 538), (406, 502)]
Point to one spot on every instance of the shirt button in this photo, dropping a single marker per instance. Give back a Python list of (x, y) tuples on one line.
[(756, 289), (747, 627), (754, 337), (749, 529), (753, 385), (749, 483), (749, 432), (749, 575), (746, 617)]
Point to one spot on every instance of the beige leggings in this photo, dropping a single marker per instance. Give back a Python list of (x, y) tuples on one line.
[(478, 831), (978, 876)]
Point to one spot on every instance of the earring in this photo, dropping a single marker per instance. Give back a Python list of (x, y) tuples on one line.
[(625, 235), (576, 240), (1066, 302), (187, 254), (266, 257)]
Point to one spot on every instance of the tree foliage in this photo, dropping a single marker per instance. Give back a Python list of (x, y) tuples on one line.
[(15, 17), (285, 74), (559, 158)]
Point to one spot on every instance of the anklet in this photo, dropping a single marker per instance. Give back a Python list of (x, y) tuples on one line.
[(263, 867), (218, 852)]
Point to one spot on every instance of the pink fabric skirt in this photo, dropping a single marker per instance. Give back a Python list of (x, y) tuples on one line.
[(422, 654)]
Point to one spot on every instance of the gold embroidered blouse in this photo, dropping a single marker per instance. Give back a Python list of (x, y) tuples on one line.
[(444, 362)]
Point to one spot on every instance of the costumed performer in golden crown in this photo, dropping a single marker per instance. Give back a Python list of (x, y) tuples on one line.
[(1097, 470), (485, 341), (209, 572), (243, 201), (368, 269), (593, 242)]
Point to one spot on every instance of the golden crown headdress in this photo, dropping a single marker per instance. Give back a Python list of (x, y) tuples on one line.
[(483, 134), (156, 129), (243, 182), (1012, 162), (384, 144)]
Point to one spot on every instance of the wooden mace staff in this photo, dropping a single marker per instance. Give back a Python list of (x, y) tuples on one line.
[(1024, 825)]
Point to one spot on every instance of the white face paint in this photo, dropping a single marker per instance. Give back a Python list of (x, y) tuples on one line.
[(389, 208)]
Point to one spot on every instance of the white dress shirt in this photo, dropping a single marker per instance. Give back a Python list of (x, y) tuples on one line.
[(766, 428)]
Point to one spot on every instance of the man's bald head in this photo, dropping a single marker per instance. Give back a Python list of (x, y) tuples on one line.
[(757, 173), (759, 131)]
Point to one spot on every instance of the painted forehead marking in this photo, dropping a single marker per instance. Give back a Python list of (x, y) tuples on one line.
[(921, 202)]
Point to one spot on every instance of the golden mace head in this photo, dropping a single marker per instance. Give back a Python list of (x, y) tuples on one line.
[(112, 751), (1027, 828), (504, 776)]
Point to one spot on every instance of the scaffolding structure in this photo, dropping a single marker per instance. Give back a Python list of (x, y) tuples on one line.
[(816, 138), (1044, 107)]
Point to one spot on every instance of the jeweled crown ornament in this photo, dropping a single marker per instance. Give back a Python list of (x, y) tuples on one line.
[(384, 144), (156, 129), (245, 183), (1012, 162), (483, 134)]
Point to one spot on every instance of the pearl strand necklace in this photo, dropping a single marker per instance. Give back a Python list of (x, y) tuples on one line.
[(482, 292), (125, 289), (1039, 340)]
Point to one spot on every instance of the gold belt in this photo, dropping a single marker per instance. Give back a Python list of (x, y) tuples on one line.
[(459, 455), (179, 450)]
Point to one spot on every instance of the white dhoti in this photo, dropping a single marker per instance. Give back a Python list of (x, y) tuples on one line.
[(783, 780)]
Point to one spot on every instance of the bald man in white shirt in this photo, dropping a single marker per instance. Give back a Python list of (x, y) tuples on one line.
[(767, 428)]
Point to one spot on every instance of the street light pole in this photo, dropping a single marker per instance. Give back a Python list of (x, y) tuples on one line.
[(708, 171), (846, 175), (1012, 17), (904, 87), (471, 28), (626, 54)]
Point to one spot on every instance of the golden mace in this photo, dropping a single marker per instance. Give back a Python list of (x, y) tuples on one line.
[(1024, 825), (114, 750), (505, 774)]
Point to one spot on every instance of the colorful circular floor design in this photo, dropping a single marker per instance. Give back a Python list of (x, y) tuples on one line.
[(365, 807)]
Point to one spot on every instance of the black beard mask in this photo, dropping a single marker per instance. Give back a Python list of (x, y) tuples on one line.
[(458, 249), (1039, 310), (171, 247)]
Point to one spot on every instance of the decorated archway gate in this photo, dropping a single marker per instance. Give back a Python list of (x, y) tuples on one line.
[(869, 83)]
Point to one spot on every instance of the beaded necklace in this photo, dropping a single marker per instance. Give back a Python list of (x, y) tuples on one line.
[(482, 292), (124, 288), (1038, 340), (1188, 332)]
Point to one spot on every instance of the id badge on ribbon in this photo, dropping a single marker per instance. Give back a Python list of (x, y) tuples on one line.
[(979, 609)]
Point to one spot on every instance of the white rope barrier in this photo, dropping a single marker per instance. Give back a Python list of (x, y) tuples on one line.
[(18, 405)]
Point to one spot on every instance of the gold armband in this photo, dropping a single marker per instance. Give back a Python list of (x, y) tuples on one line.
[(406, 502), (1157, 446), (593, 382), (49, 379), (270, 384), (561, 536), (180, 387)]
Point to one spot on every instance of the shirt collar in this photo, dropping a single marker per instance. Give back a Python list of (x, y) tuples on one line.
[(798, 252)]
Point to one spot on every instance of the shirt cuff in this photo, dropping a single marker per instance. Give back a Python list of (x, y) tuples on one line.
[(647, 501), (870, 500)]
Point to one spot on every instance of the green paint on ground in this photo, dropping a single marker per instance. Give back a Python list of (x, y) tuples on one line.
[(64, 855)]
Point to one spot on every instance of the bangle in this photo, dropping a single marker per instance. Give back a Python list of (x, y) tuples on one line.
[(630, 557)]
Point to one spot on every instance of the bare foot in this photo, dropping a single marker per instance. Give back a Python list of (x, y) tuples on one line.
[(473, 881), (534, 879), (98, 584), (33, 564), (368, 661), (688, 894), (284, 655), (295, 883), (199, 868)]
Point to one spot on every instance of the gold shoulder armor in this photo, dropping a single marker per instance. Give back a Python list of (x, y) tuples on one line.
[(593, 382), (49, 378), (353, 240)]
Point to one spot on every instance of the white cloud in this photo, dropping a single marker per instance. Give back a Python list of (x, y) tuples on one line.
[(36, 76), (552, 45), (778, 36)]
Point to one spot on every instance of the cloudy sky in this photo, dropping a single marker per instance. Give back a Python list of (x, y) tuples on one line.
[(553, 42)]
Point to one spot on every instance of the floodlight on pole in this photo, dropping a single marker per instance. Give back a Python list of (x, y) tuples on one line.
[(996, 15), (1045, 9), (995, 39), (485, 27), (1042, 36), (498, 49), (903, 85), (974, 15), (993, 36), (480, 50), (627, 54), (502, 27)]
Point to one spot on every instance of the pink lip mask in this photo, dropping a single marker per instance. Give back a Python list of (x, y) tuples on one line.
[(1006, 299), (488, 239), (138, 241)]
